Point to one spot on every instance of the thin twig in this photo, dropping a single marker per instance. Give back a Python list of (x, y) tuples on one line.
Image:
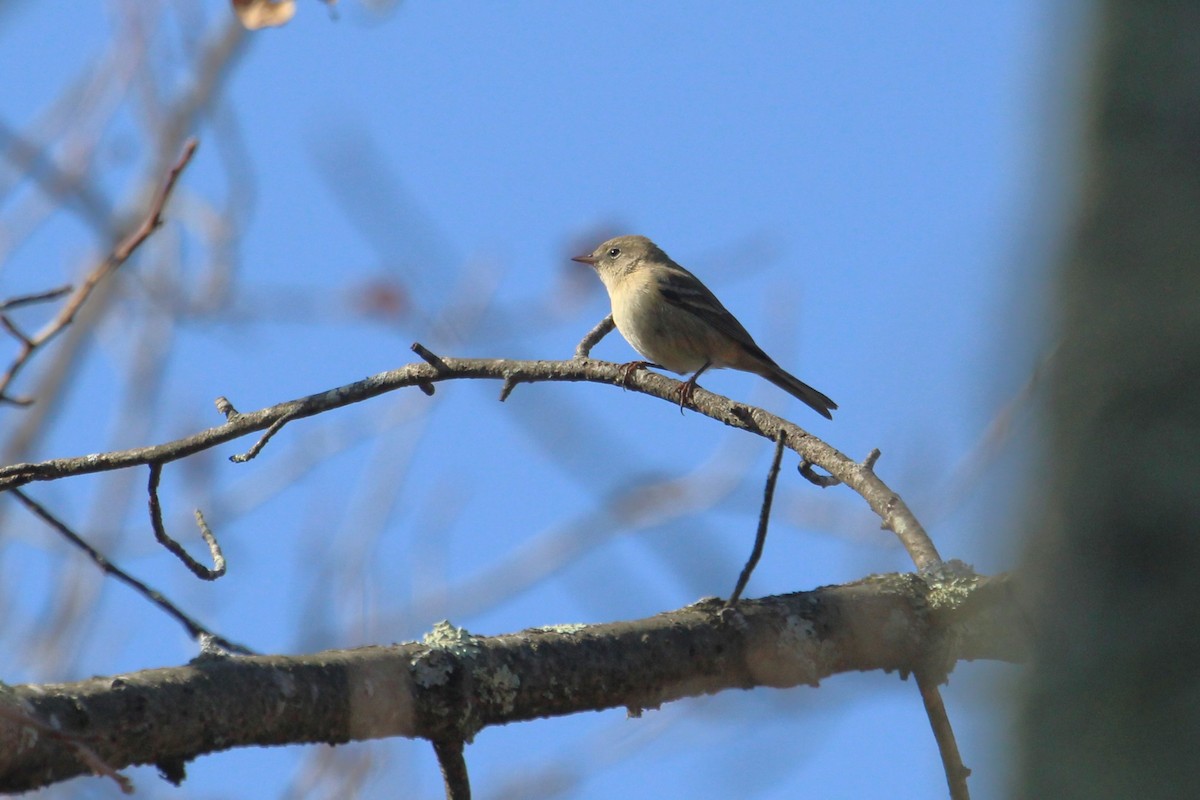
[(454, 769), (429, 356), (956, 772), (86, 755), (194, 629), (764, 516), (968, 472), (120, 254), (14, 331), (160, 533), (256, 448), (75, 186), (37, 297), (593, 337)]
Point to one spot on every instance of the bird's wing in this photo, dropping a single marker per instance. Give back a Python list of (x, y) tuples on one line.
[(684, 290)]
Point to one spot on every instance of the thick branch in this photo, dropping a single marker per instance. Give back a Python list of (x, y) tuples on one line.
[(860, 477), (452, 685)]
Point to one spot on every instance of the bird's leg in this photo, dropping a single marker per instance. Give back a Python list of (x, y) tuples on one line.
[(627, 370), (687, 387)]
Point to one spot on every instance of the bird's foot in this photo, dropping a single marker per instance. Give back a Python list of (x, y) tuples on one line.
[(627, 370), (684, 391)]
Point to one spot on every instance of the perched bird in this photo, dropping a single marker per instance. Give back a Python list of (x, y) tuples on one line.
[(671, 318)]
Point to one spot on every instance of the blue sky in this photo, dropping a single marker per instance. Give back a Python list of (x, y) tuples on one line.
[(873, 189)]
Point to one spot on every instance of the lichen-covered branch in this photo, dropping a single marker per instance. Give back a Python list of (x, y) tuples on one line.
[(452, 685)]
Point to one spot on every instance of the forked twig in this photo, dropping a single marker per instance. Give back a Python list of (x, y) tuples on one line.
[(160, 533), (119, 255)]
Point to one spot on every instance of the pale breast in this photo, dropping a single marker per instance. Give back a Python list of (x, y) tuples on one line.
[(658, 330)]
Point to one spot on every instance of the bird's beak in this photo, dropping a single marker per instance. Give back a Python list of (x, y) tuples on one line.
[(589, 260)]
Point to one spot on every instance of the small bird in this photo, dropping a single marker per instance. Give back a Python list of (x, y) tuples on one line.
[(671, 318)]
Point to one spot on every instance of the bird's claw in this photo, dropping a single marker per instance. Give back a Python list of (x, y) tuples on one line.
[(685, 394), (627, 370)]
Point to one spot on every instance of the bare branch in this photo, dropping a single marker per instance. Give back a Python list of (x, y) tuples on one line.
[(892, 510), (194, 629), (38, 297), (760, 537), (257, 447), (593, 337), (452, 685), (956, 772), (120, 254), (430, 358), (160, 533)]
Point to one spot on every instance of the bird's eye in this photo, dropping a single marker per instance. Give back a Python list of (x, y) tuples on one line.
[(613, 252)]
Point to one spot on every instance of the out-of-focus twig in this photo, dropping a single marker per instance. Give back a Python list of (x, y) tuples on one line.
[(120, 254), (194, 629), (85, 754), (36, 297)]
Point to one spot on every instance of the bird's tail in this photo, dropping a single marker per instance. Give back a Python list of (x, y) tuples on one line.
[(799, 389)]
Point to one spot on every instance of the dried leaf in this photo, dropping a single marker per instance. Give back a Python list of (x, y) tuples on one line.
[(256, 14)]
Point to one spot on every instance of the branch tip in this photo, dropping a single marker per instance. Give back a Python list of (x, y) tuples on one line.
[(225, 408), (430, 358), (510, 383)]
